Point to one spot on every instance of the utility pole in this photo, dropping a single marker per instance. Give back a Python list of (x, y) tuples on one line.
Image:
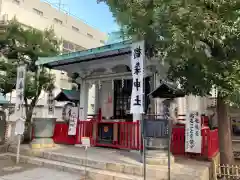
[(59, 4), (1, 7)]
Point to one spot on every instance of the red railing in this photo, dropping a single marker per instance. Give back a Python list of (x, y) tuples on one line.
[(126, 135), (61, 136), (84, 129), (209, 142)]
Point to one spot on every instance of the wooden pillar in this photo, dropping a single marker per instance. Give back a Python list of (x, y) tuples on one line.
[(96, 104), (84, 90)]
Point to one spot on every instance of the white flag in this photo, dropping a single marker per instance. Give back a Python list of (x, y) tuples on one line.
[(137, 62), (20, 86)]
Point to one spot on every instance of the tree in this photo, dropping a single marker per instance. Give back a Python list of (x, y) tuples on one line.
[(200, 41), (21, 45)]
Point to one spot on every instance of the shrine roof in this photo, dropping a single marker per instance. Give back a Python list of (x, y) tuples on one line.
[(68, 95), (167, 90), (109, 50), (3, 100)]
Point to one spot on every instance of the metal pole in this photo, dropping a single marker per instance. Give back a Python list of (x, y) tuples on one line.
[(143, 133), (144, 160), (59, 4), (18, 148), (169, 148), (85, 164), (143, 151)]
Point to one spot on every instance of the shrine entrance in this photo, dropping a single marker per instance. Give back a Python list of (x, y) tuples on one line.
[(122, 98)]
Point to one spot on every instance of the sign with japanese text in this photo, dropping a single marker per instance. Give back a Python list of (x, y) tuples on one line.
[(193, 137), (86, 141), (73, 117), (51, 103), (20, 85), (137, 62), (20, 126)]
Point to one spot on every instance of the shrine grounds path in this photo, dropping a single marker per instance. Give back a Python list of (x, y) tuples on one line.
[(10, 171)]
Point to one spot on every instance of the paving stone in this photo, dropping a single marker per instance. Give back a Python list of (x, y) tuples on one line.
[(41, 174)]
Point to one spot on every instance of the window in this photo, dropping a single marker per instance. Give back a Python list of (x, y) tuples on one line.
[(89, 35), (75, 28), (16, 2), (58, 21), (38, 12), (78, 48), (71, 47)]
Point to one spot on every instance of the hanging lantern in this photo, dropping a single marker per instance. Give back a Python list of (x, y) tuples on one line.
[(109, 98), (99, 84), (122, 83), (215, 97), (112, 84)]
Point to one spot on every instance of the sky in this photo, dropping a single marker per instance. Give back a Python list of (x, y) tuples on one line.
[(94, 14)]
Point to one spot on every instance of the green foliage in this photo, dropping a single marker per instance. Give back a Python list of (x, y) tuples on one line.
[(24, 45), (7, 75), (200, 38)]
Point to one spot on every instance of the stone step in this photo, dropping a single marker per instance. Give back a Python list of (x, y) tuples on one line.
[(136, 170), (91, 173), (178, 172)]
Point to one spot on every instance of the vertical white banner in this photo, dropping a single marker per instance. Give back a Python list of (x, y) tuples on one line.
[(51, 103), (137, 63), (193, 136), (20, 85), (72, 127)]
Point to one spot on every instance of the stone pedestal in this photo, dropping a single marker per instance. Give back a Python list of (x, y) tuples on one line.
[(43, 129)]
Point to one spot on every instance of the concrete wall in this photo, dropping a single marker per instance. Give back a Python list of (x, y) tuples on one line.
[(41, 15), (76, 34)]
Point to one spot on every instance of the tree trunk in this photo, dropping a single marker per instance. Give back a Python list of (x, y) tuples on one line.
[(28, 126), (224, 132)]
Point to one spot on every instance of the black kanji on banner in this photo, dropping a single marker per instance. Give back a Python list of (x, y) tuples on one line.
[(137, 68), (20, 85), (137, 101), (20, 96), (20, 75), (137, 52), (137, 84)]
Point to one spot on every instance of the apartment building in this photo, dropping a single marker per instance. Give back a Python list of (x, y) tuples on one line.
[(74, 33)]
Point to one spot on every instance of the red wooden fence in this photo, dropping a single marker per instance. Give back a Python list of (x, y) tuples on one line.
[(84, 129), (128, 137), (61, 136), (209, 142)]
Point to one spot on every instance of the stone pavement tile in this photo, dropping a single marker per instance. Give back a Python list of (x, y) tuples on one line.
[(16, 177), (41, 174)]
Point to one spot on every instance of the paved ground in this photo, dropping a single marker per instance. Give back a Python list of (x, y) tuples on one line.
[(100, 154), (10, 171)]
